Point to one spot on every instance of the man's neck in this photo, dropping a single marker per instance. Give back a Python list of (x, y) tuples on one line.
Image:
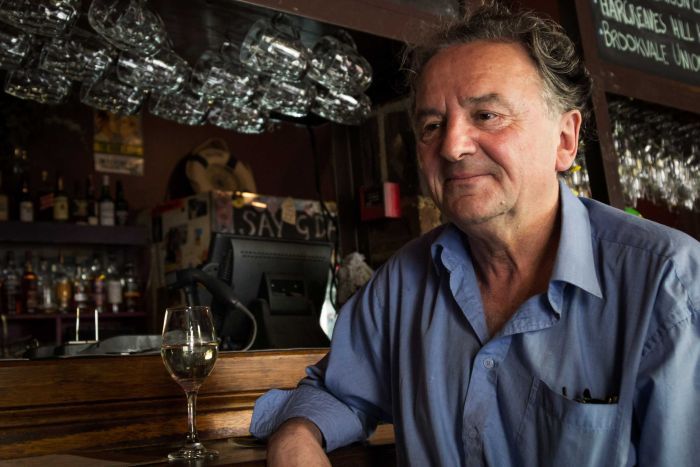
[(513, 261)]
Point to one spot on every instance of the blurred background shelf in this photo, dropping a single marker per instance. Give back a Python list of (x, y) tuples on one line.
[(72, 234), (58, 328), (71, 317)]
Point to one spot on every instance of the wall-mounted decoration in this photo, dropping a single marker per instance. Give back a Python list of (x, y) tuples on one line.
[(118, 143)]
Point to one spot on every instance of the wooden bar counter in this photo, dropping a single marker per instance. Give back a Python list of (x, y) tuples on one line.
[(128, 410)]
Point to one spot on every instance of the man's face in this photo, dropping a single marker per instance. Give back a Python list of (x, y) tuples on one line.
[(488, 144)]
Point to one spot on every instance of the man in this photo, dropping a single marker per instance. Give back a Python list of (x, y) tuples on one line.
[(534, 328)]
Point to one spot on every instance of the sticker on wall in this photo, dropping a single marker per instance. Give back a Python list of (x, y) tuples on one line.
[(289, 213), (118, 143)]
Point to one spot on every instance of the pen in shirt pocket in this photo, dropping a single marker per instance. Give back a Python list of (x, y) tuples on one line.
[(586, 398)]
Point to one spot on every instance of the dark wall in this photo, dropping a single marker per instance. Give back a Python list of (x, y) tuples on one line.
[(59, 138), (282, 161)]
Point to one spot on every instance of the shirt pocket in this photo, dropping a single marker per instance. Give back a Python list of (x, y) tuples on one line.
[(560, 431)]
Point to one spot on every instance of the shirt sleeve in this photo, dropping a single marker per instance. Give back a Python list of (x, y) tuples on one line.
[(346, 393), (666, 427)]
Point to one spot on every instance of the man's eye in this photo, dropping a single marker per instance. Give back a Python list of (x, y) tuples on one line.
[(429, 130), (485, 116)]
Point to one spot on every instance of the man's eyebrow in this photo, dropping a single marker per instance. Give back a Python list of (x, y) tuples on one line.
[(489, 98), (420, 114), (483, 99)]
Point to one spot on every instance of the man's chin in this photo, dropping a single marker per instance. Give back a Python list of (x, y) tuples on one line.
[(475, 215), (475, 220)]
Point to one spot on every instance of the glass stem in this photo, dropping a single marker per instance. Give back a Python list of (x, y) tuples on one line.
[(192, 436)]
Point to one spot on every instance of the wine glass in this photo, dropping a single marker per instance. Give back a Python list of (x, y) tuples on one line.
[(189, 351)]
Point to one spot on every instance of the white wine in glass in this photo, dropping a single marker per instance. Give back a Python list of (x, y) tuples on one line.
[(189, 351)]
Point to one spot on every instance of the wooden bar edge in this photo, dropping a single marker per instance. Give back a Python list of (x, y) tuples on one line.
[(109, 403)]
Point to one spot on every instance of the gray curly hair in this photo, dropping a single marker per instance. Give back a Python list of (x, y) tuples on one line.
[(567, 83)]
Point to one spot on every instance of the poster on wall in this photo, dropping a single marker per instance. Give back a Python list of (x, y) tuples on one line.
[(118, 143)]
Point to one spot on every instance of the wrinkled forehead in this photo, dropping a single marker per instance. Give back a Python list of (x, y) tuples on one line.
[(476, 68)]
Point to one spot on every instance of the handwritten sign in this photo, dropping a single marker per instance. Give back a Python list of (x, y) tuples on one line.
[(661, 37), (264, 223)]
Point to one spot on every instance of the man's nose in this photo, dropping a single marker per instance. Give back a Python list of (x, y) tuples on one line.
[(458, 140)]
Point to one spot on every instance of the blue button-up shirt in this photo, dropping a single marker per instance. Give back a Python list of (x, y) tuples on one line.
[(619, 323)]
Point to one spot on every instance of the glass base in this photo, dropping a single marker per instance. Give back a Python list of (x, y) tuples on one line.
[(192, 451)]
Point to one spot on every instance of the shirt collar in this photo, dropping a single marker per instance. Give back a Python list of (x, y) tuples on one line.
[(574, 263), (450, 249)]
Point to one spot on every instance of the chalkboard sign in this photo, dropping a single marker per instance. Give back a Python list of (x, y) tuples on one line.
[(656, 36)]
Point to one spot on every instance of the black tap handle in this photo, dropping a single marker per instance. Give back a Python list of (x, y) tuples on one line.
[(186, 278)]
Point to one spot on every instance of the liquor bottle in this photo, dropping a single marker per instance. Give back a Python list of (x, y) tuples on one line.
[(93, 209), (26, 205), (132, 292), (121, 207), (44, 208), (62, 285), (79, 205), (47, 295), (81, 289), (99, 294), (4, 202), (12, 297), (30, 292), (2, 294), (88, 277), (114, 287), (60, 202), (18, 172), (106, 203)]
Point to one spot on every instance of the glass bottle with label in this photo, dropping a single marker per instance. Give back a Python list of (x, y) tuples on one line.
[(81, 289), (78, 204), (60, 202), (132, 291), (93, 208), (2, 291), (62, 285), (106, 203), (4, 202), (114, 286), (30, 291), (99, 294), (26, 204), (47, 295), (18, 173), (121, 207), (12, 293), (44, 208)]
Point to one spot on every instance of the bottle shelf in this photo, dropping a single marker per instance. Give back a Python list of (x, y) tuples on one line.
[(88, 316), (72, 234)]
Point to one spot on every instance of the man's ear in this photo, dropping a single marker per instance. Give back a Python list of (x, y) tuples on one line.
[(569, 128)]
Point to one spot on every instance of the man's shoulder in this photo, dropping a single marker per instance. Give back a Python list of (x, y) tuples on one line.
[(614, 226)]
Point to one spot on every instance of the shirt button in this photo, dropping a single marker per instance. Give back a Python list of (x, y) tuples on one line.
[(473, 433), (489, 363)]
